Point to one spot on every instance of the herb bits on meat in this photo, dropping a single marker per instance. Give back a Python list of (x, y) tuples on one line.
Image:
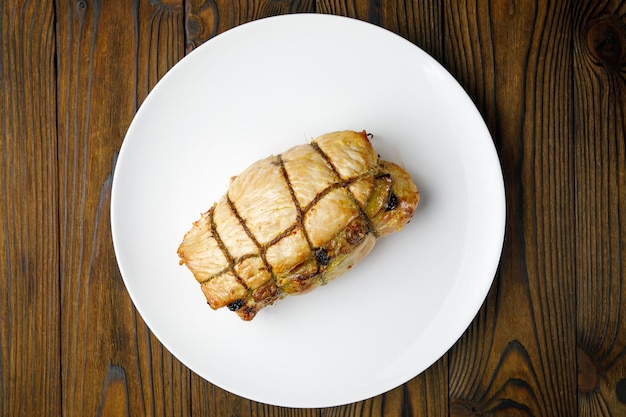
[(294, 221)]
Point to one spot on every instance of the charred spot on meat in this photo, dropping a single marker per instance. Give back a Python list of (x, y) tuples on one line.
[(392, 202), (322, 257), (235, 305)]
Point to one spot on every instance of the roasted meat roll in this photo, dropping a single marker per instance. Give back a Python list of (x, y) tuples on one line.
[(294, 221)]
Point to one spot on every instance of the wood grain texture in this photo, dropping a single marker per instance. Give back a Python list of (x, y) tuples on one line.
[(600, 102), (159, 42), (514, 59), (110, 55), (29, 254)]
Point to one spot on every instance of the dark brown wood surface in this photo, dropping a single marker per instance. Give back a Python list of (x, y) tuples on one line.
[(548, 77)]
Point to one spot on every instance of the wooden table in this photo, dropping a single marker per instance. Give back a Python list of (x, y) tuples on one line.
[(549, 79)]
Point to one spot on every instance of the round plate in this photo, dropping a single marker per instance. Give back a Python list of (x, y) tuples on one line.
[(257, 90)]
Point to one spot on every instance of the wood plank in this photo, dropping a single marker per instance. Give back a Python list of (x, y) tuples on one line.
[(518, 357), (110, 55), (600, 117), (29, 287)]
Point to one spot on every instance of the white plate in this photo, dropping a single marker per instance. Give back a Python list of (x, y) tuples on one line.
[(259, 89)]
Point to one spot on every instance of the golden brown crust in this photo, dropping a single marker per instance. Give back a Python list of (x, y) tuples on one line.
[(294, 221)]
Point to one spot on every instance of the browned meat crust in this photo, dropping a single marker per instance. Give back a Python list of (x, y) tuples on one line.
[(294, 221)]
